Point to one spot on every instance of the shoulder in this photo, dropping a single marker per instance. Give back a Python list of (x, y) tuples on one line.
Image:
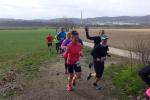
[(70, 44), (79, 44), (96, 37)]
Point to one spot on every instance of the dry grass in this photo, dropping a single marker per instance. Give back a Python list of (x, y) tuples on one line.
[(120, 37)]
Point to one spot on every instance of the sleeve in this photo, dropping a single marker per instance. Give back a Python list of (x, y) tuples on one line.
[(81, 50), (53, 38), (94, 52), (63, 44), (65, 34), (107, 48), (81, 42), (89, 37), (107, 51), (58, 36), (66, 52)]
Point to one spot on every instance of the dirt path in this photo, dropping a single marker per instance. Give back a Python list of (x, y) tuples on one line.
[(51, 85)]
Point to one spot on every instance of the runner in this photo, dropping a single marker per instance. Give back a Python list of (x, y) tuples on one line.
[(61, 36), (72, 54), (64, 46), (57, 44), (99, 54), (96, 39), (49, 40), (144, 74)]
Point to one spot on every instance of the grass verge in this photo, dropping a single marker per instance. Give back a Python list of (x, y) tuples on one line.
[(126, 80)]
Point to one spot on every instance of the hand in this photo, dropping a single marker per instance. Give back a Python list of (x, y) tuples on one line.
[(86, 29), (98, 59), (109, 55), (81, 54)]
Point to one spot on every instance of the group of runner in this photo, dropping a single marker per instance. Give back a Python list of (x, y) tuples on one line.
[(71, 45)]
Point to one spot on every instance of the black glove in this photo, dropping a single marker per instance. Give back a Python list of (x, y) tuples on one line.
[(108, 55)]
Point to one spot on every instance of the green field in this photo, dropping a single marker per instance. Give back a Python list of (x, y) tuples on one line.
[(23, 50)]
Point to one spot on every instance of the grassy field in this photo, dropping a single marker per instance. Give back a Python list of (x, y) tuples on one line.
[(120, 37), (25, 50), (22, 50)]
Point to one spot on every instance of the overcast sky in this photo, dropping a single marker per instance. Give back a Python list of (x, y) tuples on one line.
[(48, 9)]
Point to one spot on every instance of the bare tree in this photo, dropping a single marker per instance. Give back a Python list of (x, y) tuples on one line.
[(67, 24), (139, 49)]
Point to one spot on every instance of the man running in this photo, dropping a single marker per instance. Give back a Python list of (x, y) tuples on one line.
[(61, 36), (57, 44), (99, 54), (72, 54), (49, 40), (96, 40)]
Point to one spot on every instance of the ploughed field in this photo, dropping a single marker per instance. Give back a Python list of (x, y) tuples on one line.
[(120, 38)]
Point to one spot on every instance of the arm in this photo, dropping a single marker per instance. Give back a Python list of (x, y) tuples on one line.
[(66, 52), (52, 38), (107, 52), (81, 51), (63, 46), (80, 41), (58, 36), (87, 34)]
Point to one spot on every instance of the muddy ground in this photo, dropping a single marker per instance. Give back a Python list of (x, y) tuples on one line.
[(50, 84)]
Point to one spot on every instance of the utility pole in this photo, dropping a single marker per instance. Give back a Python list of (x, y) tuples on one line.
[(81, 18)]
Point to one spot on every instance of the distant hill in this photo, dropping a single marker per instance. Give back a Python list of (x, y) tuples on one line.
[(120, 20)]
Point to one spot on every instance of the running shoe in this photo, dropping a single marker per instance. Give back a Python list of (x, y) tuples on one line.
[(95, 84), (89, 76), (97, 87), (66, 72), (69, 87), (90, 65)]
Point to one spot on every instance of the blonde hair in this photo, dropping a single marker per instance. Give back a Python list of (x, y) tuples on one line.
[(68, 35)]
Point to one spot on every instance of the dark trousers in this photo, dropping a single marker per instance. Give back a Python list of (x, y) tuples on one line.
[(144, 74), (58, 47)]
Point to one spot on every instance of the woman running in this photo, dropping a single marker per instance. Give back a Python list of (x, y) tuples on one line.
[(64, 46), (72, 54), (61, 36), (99, 54)]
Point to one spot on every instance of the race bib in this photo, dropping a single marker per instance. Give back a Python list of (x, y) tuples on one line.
[(103, 59), (78, 64)]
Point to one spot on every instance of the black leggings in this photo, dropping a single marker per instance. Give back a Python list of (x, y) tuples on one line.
[(66, 65), (144, 74), (58, 47)]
